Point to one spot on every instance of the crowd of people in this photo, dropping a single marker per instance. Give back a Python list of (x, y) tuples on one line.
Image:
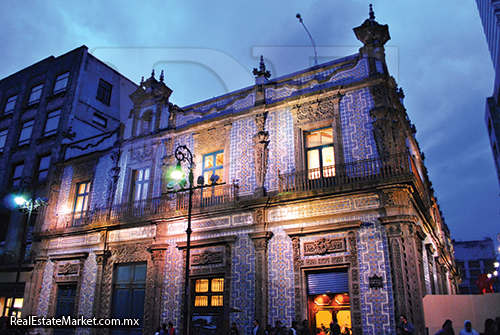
[(491, 327), (297, 328)]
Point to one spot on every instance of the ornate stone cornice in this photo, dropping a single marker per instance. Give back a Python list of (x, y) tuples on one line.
[(76, 255), (221, 240), (323, 228)]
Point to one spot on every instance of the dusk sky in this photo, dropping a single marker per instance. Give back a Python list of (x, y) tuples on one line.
[(437, 53)]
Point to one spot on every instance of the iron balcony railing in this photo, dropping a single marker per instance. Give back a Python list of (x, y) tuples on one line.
[(362, 171), (178, 201)]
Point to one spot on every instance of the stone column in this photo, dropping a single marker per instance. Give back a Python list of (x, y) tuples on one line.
[(158, 256), (403, 235), (36, 285), (261, 241)]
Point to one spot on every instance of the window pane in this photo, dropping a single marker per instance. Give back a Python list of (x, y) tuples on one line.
[(18, 173), (3, 138), (104, 91), (11, 103), (122, 274), (217, 300), (218, 285), (61, 82), (24, 137), (319, 137), (43, 167), (52, 122), (219, 173), (201, 301), (140, 273), (208, 162), (328, 158), (201, 285), (219, 159), (313, 159), (36, 93)]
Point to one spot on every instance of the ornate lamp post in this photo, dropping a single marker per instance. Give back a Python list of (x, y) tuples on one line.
[(28, 206), (183, 154)]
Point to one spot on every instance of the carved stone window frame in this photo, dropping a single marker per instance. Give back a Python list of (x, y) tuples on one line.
[(329, 261), (313, 115), (75, 258), (129, 253), (209, 270)]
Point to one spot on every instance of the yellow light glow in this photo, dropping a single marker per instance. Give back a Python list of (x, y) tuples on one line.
[(18, 303), (217, 300), (201, 301)]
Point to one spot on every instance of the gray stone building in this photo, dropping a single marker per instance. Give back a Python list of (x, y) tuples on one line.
[(55, 101), (474, 258), (489, 11)]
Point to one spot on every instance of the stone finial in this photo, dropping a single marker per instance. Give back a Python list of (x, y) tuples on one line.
[(142, 79), (153, 73), (371, 33), (371, 13), (261, 74), (162, 77)]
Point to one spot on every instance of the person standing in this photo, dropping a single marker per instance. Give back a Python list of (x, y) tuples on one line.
[(404, 327), (234, 330), (170, 329), (257, 329), (447, 328), (490, 327), (334, 327), (468, 329)]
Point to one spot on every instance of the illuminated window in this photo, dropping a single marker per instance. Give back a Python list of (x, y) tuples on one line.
[(10, 306), (208, 292), (82, 198), (141, 184), (61, 82), (213, 164), (104, 91), (36, 93), (52, 123), (10, 105), (25, 135), (320, 153)]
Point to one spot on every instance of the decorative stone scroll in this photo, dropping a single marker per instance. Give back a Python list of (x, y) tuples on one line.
[(68, 269), (323, 246), (207, 257)]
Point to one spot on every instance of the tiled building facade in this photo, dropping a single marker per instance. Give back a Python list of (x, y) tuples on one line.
[(322, 208), (55, 101)]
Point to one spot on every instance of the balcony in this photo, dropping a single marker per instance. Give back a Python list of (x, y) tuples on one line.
[(352, 173), (154, 207)]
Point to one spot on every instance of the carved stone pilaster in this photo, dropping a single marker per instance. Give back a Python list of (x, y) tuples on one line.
[(357, 326), (261, 241), (36, 284), (261, 151), (158, 256), (405, 239), (388, 131)]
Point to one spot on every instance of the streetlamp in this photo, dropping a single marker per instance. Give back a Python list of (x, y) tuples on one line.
[(183, 154), (28, 206)]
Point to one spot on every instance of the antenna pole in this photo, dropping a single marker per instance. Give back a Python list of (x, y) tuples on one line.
[(312, 40)]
